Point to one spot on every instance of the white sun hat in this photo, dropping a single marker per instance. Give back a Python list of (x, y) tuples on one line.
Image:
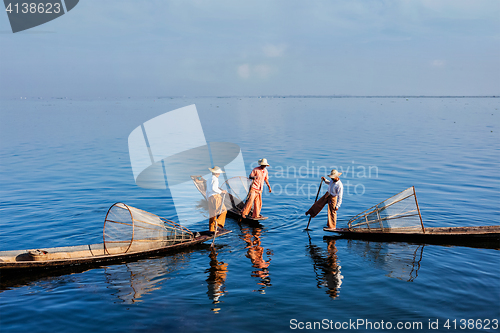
[(216, 169), (334, 174), (263, 161)]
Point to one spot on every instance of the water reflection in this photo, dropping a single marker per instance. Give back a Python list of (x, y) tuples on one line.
[(217, 274), (255, 252), (400, 260), (131, 281), (202, 207), (326, 267), (45, 279)]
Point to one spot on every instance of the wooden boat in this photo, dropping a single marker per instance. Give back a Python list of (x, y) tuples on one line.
[(483, 236), (398, 219), (129, 233), (58, 257), (237, 188)]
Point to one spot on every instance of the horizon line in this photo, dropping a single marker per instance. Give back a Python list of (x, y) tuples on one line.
[(260, 96)]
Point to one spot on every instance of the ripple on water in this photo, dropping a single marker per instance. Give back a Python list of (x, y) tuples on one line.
[(57, 183)]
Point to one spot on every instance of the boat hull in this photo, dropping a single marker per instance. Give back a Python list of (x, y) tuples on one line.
[(484, 236), (23, 266), (236, 214)]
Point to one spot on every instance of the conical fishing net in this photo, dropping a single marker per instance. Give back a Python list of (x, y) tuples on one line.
[(201, 184), (399, 213), (129, 229), (237, 189)]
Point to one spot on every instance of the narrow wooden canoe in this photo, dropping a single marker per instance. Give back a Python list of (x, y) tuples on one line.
[(16, 262), (398, 219), (489, 236), (237, 214)]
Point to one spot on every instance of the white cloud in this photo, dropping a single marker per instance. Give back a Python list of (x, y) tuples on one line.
[(244, 71), (262, 71), (274, 51), (437, 63)]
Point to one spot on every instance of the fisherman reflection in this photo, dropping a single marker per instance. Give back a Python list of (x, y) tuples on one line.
[(217, 274), (333, 278), (256, 255), (329, 276)]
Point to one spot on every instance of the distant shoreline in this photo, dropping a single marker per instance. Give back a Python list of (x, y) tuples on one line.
[(256, 96), (349, 96)]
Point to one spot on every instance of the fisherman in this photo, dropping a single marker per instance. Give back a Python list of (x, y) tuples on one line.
[(216, 207), (333, 197), (259, 176)]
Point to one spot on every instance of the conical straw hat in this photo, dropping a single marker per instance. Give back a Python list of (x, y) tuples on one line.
[(334, 174), (263, 161), (216, 169)]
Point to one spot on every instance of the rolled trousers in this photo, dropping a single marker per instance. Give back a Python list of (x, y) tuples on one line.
[(254, 201), (329, 200), (214, 209)]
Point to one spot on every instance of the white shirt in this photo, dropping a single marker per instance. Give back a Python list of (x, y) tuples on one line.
[(213, 187), (336, 189)]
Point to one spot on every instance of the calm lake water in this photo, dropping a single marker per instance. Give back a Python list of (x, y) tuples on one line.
[(64, 162)]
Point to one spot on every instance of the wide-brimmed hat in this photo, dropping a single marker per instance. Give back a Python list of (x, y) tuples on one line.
[(263, 161), (216, 169), (334, 174)]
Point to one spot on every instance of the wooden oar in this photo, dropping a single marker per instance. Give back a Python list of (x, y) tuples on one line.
[(310, 217), (216, 223)]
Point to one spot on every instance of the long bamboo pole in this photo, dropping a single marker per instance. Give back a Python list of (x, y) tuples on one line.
[(418, 209), (310, 217)]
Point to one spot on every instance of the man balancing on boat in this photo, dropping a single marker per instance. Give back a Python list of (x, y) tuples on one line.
[(259, 176), (216, 207), (332, 197)]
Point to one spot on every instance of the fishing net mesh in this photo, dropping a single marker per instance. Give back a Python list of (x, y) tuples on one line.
[(237, 189), (399, 213), (129, 229), (200, 183)]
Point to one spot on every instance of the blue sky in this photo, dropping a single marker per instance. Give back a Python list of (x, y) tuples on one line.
[(130, 48)]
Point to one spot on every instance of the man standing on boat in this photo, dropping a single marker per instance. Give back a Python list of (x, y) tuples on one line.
[(332, 197), (216, 207), (259, 176)]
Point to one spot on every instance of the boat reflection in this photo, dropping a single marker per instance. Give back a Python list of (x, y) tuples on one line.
[(132, 280), (129, 280), (255, 252), (326, 267), (400, 260), (217, 274)]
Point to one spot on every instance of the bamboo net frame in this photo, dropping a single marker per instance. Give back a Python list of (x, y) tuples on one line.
[(399, 213), (130, 229), (201, 184), (236, 187)]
